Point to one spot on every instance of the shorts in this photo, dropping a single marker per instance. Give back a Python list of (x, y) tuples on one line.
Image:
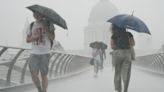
[(39, 63)]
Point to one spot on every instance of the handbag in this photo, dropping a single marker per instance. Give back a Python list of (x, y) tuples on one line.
[(92, 61)]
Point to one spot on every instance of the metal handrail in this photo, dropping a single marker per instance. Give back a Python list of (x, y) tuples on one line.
[(59, 64), (53, 64), (3, 50), (11, 66), (153, 62)]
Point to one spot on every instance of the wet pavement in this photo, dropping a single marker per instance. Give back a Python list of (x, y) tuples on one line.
[(85, 82)]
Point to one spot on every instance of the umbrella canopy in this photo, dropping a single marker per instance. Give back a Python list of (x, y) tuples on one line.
[(49, 14), (98, 44), (103, 45), (130, 22), (94, 44)]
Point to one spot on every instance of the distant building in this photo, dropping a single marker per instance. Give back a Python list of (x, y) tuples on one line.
[(98, 27)]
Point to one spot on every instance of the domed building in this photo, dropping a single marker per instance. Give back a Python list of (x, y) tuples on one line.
[(98, 27)]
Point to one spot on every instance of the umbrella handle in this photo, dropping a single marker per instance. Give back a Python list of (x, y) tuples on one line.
[(132, 13)]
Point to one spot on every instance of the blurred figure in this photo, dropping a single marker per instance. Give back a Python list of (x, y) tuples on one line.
[(121, 57), (102, 57), (96, 52), (99, 47)]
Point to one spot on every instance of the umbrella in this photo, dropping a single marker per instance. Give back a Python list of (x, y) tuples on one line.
[(98, 44), (49, 14), (94, 44), (103, 45), (130, 22)]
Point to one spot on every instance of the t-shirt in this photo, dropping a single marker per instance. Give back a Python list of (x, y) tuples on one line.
[(96, 53), (42, 45)]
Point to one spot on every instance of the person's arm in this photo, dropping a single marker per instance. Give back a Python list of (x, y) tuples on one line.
[(50, 32), (31, 38), (104, 54), (132, 42), (131, 39), (51, 35), (113, 46)]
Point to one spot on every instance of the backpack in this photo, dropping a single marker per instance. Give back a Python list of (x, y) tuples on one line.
[(31, 25), (121, 41)]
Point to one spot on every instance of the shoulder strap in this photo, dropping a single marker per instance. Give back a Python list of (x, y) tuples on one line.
[(48, 24), (31, 25)]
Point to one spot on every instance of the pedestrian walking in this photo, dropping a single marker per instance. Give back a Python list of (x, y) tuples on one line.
[(121, 57), (96, 52), (40, 34)]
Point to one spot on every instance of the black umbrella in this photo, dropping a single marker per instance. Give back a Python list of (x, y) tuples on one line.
[(49, 14), (98, 44), (103, 45), (94, 44)]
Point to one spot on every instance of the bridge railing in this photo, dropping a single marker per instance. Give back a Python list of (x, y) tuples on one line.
[(153, 62), (14, 69)]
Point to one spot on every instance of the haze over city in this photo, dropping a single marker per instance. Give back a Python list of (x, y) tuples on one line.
[(67, 65), (76, 13)]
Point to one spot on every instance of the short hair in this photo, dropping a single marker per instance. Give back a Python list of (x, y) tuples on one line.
[(37, 14)]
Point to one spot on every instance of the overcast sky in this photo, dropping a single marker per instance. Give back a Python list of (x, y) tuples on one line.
[(76, 13)]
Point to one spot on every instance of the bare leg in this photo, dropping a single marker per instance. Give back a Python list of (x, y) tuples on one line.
[(44, 83), (101, 65), (36, 80), (96, 68)]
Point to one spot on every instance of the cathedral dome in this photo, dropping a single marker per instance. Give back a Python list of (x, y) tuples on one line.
[(102, 11)]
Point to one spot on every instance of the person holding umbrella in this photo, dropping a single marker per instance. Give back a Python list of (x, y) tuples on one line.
[(40, 34), (121, 57), (96, 52), (122, 43)]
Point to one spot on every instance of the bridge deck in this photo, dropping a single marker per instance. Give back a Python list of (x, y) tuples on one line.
[(16, 78), (85, 82)]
